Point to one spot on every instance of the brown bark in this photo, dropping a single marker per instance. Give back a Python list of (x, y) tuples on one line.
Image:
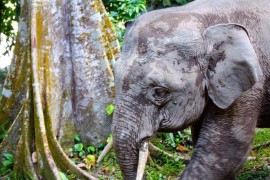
[(60, 81)]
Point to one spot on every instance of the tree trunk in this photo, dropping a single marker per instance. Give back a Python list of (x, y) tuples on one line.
[(60, 82)]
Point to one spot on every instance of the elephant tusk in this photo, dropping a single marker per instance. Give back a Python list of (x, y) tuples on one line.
[(143, 154), (105, 151)]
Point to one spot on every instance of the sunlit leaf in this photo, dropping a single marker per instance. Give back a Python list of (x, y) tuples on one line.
[(110, 109), (81, 154), (91, 149), (7, 163), (8, 156), (109, 138), (90, 161), (77, 138), (78, 147), (63, 176)]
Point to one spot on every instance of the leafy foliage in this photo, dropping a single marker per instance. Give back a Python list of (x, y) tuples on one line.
[(7, 164), (163, 167), (63, 176), (175, 141), (170, 168), (9, 12), (259, 174), (158, 4), (79, 150), (110, 109), (122, 11), (257, 168), (66, 176), (4, 130)]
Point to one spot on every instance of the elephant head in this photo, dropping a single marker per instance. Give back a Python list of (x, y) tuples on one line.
[(168, 72)]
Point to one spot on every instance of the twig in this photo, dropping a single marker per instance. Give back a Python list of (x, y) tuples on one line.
[(150, 160), (250, 158), (155, 150)]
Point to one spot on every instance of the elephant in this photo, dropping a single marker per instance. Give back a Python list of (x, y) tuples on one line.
[(204, 65)]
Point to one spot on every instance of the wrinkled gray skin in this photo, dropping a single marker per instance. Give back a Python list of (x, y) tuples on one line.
[(196, 66)]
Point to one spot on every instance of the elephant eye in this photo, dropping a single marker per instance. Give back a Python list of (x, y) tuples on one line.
[(161, 94)]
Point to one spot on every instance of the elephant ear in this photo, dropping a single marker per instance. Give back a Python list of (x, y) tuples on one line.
[(233, 65)]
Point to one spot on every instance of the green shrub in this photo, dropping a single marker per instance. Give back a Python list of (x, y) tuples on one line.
[(122, 11), (7, 164)]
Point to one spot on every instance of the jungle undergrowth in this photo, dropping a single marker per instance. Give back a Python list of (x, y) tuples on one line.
[(163, 167), (259, 167), (4, 131), (85, 158), (6, 166)]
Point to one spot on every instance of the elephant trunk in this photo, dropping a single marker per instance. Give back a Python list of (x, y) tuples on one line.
[(131, 128), (126, 151)]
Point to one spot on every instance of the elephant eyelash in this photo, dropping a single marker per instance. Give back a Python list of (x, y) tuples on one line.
[(161, 94), (153, 85)]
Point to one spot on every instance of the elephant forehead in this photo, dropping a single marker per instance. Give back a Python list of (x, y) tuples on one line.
[(153, 37), (165, 75), (163, 42)]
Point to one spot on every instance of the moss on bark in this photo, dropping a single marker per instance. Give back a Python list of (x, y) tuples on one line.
[(44, 91)]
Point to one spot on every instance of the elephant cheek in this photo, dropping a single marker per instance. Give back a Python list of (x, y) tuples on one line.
[(167, 121)]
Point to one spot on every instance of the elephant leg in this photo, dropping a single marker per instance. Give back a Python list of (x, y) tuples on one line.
[(195, 131), (264, 118), (225, 139)]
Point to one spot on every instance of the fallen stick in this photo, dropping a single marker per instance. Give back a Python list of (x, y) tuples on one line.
[(155, 150)]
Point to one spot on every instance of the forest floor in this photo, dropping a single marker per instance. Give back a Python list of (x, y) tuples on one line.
[(179, 147), (170, 156)]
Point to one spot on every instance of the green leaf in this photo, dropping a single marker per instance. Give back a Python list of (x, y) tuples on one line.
[(91, 158), (8, 156), (110, 109), (77, 138), (109, 138), (5, 171), (63, 176), (166, 3), (114, 14), (170, 139), (91, 149), (89, 161), (181, 1), (100, 145), (72, 176), (7, 163), (81, 154), (78, 147)]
